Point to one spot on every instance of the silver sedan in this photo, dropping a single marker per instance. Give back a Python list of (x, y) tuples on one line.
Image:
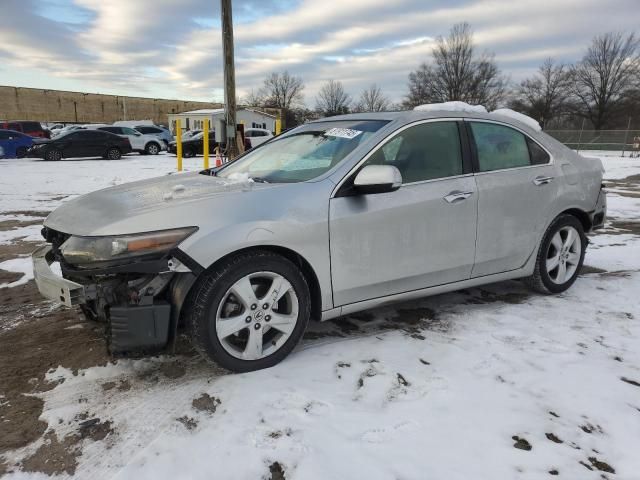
[(336, 216)]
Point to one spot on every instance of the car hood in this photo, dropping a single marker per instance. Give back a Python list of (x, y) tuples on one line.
[(171, 201)]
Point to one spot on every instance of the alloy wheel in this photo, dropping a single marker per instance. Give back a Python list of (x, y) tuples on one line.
[(563, 255), (257, 315)]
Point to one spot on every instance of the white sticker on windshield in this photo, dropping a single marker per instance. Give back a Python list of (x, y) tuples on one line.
[(342, 133)]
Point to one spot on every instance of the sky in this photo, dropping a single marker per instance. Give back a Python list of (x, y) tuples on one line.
[(172, 48)]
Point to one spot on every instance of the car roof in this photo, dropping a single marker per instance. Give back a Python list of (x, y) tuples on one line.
[(417, 115)]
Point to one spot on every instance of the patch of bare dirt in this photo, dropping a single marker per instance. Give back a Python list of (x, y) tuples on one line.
[(586, 269), (54, 457), (620, 226), (7, 225), (10, 277), (206, 403), (188, 422), (94, 429), (29, 213), (27, 352), (630, 382), (16, 249), (521, 443), (276, 471)]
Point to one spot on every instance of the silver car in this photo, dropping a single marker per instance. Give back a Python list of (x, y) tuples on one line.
[(333, 217)]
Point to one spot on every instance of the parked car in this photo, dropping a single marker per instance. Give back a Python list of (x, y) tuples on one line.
[(194, 145), (143, 144), (33, 129), (1, 153), (257, 136), (81, 143), (336, 216), (67, 129), (188, 134), (159, 132), (15, 144)]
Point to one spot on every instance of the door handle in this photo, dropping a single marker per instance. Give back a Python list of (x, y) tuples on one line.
[(539, 181), (457, 196)]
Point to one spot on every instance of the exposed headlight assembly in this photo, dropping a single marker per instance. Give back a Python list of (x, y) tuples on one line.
[(96, 252)]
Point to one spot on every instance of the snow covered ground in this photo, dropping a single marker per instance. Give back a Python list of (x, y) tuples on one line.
[(489, 383)]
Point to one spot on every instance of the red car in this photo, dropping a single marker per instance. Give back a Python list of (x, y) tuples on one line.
[(33, 129)]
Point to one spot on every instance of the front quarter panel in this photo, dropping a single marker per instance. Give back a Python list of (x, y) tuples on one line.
[(293, 216)]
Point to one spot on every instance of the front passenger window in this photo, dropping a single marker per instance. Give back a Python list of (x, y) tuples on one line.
[(424, 152)]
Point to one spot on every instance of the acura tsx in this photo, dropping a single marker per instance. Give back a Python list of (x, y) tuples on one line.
[(336, 216)]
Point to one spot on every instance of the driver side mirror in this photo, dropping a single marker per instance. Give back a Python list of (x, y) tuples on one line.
[(378, 179)]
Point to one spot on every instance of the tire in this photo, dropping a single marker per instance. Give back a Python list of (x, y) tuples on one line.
[(114, 153), (250, 340), (53, 155), (559, 253), (189, 153), (152, 148), (21, 152)]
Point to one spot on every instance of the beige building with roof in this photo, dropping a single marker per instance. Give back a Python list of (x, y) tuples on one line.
[(194, 120)]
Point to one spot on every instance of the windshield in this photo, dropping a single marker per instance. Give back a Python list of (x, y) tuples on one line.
[(305, 155)]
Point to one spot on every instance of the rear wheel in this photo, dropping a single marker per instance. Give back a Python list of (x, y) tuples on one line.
[(53, 155), (188, 153), (250, 312), (114, 154), (152, 149), (561, 256)]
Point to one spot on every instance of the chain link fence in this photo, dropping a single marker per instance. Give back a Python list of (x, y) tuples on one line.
[(625, 141)]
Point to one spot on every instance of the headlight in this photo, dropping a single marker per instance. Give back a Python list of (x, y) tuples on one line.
[(95, 252)]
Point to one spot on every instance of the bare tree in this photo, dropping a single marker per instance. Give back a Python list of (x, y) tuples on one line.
[(457, 73), (282, 90), (604, 77), (253, 99), (332, 99), (372, 100), (544, 96)]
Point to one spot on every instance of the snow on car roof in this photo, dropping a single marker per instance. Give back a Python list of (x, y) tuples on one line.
[(527, 120), (451, 107)]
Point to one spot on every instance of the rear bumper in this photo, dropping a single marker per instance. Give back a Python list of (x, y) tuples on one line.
[(53, 286), (599, 215)]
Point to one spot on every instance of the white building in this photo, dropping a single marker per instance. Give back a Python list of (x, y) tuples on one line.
[(194, 120)]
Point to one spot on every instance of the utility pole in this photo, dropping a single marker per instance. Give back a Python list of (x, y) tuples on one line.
[(229, 77)]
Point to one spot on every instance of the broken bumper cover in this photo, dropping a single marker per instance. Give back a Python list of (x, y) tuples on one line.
[(599, 215), (53, 286)]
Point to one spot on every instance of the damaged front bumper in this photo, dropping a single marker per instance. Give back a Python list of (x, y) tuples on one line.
[(51, 285), (140, 311)]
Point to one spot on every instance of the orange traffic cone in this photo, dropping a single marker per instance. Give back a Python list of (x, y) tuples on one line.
[(218, 158)]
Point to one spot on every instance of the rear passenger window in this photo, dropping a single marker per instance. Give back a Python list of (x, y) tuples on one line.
[(538, 155), (425, 152), (499, 147)]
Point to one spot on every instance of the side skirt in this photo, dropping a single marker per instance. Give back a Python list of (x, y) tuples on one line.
[(424, 292)]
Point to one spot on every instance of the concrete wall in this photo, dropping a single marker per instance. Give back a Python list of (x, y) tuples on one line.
[(50, 106)]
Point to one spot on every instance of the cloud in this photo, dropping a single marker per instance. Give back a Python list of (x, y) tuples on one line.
[(172, 48)]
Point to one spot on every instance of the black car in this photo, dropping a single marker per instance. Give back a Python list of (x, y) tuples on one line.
[(81, 143), (194, 145)]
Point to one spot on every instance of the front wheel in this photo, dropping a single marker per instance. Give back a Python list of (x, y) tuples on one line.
[(250, 312), (188, 153), (560, 257)]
